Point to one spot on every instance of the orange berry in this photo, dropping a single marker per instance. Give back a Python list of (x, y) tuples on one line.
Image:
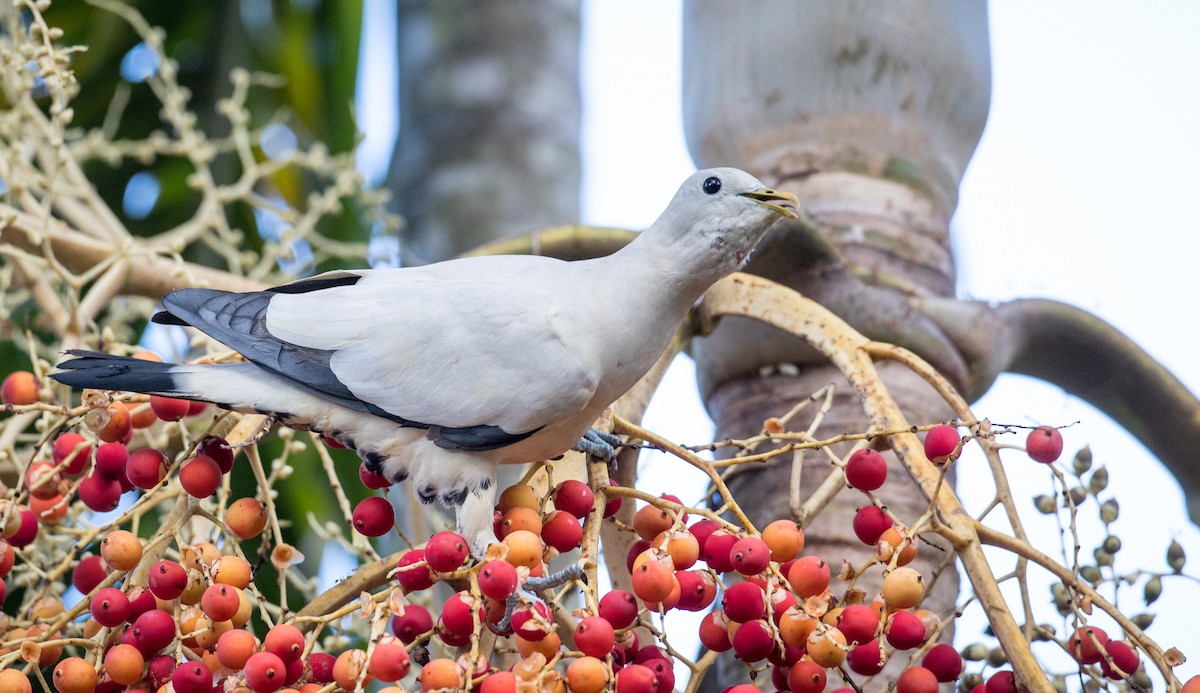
[(119, 426), (232, 570), (651, 521), (827, 647), (74, 675), (903, 588), (785, 539), (519, 518), (587, 675), (347, 667), (13, 681), (19, 388), (440, 673), (889, 540), (524, 548), (246, 518), (519, 495), (122, 550), (547, 646)]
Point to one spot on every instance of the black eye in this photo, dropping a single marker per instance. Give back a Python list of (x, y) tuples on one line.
[(712, 185)]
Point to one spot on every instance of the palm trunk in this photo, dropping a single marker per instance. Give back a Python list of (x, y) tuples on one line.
[(869, 114), (489, 121)]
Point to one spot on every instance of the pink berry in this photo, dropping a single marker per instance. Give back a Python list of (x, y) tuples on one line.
[(717, 549), (636, 678), (459, 613), (152, 631), (714, 632), (265, 672), (497, 579), (594, 636), (750, 555), (374, 516), (64, 445), (1044, 444), (806, 676), (284, 641), (866, 470)]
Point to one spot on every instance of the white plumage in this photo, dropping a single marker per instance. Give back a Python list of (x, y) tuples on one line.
[(439, 373)]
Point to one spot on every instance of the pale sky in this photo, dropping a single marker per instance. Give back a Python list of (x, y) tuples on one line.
[(1083, 190)]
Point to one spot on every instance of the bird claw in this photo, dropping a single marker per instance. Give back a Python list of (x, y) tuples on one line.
[(598, 443)]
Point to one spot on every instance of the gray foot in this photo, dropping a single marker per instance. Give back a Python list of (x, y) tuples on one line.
[(598, 444)]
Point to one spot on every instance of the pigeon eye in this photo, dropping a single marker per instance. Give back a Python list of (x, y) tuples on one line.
[(712, 185)]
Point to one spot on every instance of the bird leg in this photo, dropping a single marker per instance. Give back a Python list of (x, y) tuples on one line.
[(598, 443)]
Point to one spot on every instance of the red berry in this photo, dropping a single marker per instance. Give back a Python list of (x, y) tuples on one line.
[(905, 631), (864, 659), (594, 636), (220, 602), (697, 590), (445, 551), (412, 572), (192, 677), (320, 666), (167, 580), (169, 408), (809, 576), (753, 641), (1124, 657), (562, 530), (412, 624), (63, 448), (636, 678), (870, 523), (744, 601), (110, 607), (612, 503), (942, 444), (284, 641), (460, 611), (146, 468), (1044, 444), (714, 632), (619, 608), (1087, 644), (152, 631), (858, 622), (372, 480), (89, 573), (111, 459), (200, 476), (497, 579), (524, 623), (944, 661), (218, 449), (27, 532), (100, 494), (389, 661), (750, 555), (917, 680), (1001, 682), (866, 470), (374, 516), (265, 672), (574, 496), (806, 676), (717, 549)]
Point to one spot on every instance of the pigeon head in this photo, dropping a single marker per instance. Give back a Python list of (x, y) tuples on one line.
[(727, 210)]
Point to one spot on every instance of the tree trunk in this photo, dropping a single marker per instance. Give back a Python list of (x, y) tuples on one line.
[(489, 121), (869, 114)]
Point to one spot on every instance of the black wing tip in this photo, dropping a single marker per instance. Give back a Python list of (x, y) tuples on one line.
[(163, 317)]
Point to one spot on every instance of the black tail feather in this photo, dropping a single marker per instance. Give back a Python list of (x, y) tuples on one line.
[(95, 369)]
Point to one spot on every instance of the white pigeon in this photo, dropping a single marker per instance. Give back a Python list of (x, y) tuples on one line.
[(437, 374)]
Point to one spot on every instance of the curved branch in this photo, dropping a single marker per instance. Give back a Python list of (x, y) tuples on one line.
[(1089, 358), (781, 307)]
